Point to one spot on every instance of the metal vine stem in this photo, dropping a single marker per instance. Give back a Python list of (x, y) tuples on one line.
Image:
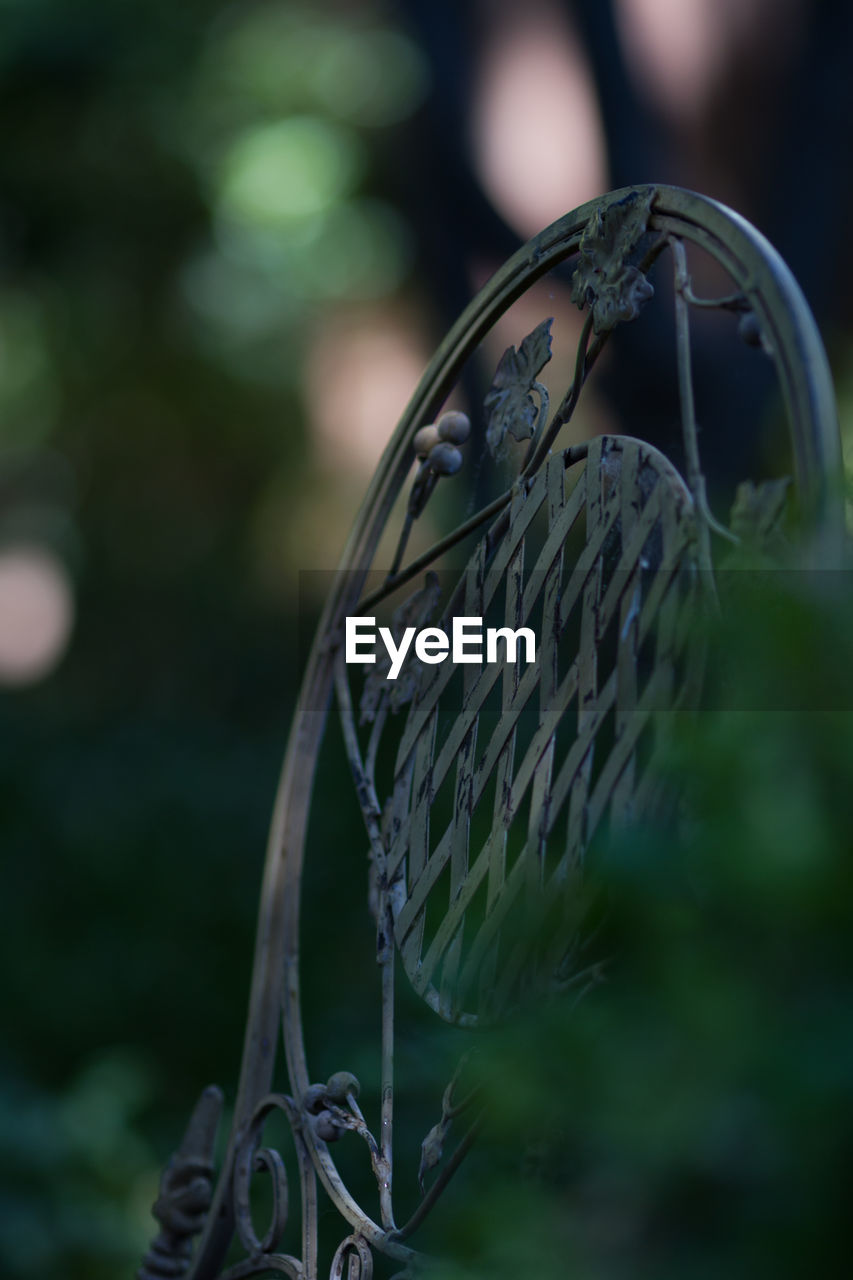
[(640, 529)]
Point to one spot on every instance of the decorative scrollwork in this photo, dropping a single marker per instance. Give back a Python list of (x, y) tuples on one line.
[(185, 1193), (331, 1109), (252, 1158), (355, 1252)]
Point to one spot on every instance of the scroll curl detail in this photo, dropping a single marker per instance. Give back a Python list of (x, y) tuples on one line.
[(252, 1158), (354, 1251)]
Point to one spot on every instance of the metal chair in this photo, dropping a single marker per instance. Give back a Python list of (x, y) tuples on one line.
[(482, 785)]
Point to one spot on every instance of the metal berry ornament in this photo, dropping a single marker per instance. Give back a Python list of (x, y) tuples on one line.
[(453, 428), (437, 447)]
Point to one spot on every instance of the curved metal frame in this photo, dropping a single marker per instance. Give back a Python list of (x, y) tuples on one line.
[(765, 286)]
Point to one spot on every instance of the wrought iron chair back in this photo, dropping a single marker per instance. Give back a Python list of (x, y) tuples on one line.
[(481, 787)]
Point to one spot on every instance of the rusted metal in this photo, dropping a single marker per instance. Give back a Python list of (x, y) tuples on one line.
[(185, 1193), (607, 548)]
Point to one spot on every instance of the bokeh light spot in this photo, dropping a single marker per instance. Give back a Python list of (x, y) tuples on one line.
[(363, 251), (537, 132), (36, 614), (362, 369), (679, 49), (373, 77), (256, 282), (288, 170), (275, 60)]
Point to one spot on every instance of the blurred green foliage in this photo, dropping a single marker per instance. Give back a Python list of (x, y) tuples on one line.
[(182, 188), (692, 1115)]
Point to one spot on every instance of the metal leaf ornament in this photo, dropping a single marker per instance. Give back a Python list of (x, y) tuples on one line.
[(509, 405), (604, 278), (758, 510), (432, 1149), (758, 515)]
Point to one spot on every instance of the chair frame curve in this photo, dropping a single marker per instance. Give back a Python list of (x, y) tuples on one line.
[(768, 288)]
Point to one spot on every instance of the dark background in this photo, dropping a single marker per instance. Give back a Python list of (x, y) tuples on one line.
[(229, 236)]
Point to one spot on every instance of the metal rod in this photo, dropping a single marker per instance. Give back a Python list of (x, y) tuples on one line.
[(386, 1123), (695, 478), (441, 1181)]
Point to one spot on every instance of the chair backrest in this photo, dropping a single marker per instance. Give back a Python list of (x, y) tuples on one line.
[(482, 783)]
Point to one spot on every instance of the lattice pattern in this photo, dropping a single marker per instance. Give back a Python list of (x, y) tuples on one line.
[(504, 773)]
